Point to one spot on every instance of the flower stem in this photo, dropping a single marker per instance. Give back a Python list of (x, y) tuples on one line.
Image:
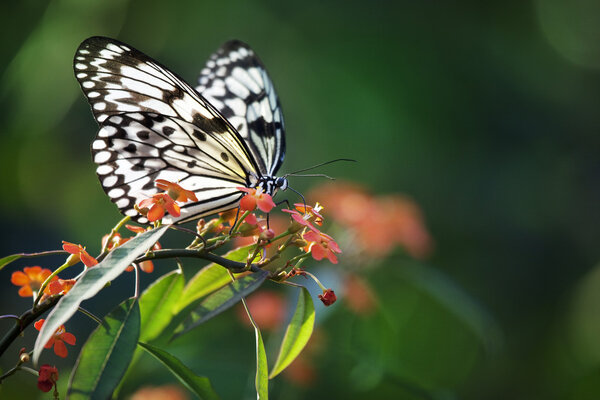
[(323, 288), (113, 232), (90, 315), (47, 281)]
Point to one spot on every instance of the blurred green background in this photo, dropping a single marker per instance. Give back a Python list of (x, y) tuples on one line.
[(485, 113)]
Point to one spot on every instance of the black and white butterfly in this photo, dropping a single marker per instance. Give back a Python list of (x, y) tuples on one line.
[(153, 125)]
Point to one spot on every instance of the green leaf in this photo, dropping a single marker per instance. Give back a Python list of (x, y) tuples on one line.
[(92, 281), (4, 261), (106, 354), (222, 299), (297, 333), (157, 304), (210, 278), (199, 385), (262, 369)]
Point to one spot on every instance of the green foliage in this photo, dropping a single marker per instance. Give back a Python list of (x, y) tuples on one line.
[(158, 303), (261, 381), (297, 333), (92, 281), (106, 354), (199, 385), (221, 299), (210, 278), (4, 261)]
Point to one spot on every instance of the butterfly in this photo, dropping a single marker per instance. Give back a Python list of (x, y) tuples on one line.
[(226, 133)]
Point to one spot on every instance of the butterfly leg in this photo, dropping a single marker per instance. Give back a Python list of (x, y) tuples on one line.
[(237, 215)]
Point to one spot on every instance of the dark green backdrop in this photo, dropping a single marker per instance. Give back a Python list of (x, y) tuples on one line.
[(487, 114)]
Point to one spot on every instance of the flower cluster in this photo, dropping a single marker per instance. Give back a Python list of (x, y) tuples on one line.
[(319, 244), (379, 223), (245, 225)]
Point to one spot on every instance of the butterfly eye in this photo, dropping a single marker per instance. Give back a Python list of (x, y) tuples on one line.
[(281, 183)]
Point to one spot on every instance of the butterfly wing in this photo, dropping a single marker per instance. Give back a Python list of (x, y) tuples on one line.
[(235, 81), (153, 125)]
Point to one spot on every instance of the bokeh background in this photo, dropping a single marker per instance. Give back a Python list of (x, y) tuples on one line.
[(485, 114)]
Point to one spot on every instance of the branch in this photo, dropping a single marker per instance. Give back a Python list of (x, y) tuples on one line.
[(24, 320), (222, 261)]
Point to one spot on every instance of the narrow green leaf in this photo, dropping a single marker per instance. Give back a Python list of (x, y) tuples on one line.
[(262, 369), (158, 302), (92, 281), (222, 299), (297, 333), (261, 381), (199, 385), (106, 354), (210, 278), (4, 261)]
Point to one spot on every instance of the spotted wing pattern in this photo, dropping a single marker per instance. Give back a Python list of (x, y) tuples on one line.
[(235, 81), (153, 125)]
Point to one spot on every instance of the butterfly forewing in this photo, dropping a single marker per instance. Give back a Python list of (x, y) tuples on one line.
[(235, 82), (133, 150), (155, 126)]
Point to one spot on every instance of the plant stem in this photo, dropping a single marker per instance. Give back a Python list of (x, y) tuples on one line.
[(47, 281), (24, 320), (224, 262)]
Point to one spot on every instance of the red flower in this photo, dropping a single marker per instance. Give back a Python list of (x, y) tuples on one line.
[(175, 191), (256, 198), (157, 205), (328, 297), (313, 211), (79, 253), (322, 246), (58, 340), (378, 223), (30, 280), (300, 221), (47, 377), (61, 286)]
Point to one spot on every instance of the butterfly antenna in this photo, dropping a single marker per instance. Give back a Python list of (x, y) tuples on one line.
[(318, 165), (299, 194), (313, 175)]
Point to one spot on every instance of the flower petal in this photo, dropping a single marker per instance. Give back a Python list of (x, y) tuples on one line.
[(155, 213), (87, 260), (147, 266), (248, 203), (68, 338), (317, 252), (71, 248), (19, 278), (60, 349), (265, 203), (173, 208), (38, 324)]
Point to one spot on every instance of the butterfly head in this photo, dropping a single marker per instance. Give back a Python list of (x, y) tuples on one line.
[(269, 184)]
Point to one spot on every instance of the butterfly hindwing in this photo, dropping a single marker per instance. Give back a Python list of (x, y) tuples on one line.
[(235, 81), (134, 149)]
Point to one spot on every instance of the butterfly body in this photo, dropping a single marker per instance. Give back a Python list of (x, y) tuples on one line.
[(226, 133)]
